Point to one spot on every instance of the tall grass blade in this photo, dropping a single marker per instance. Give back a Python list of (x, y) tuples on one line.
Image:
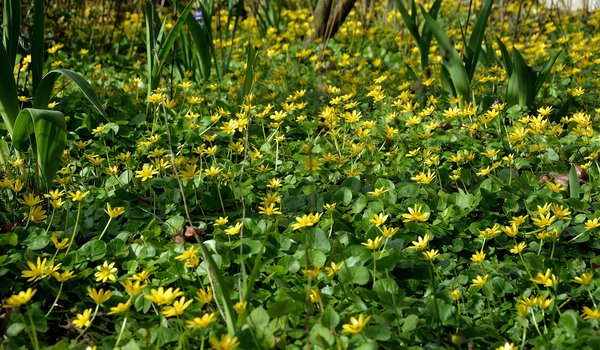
[(220, 288), (476, 39), (43, 94), (451, 59), (202, 43), (249, 75), (12, 28), (409, 21), (573, 183), (506, 58), (46, 132), (543, 74), (426, 35), (9, 103), (150, 44), (166, 48), (37, 43)]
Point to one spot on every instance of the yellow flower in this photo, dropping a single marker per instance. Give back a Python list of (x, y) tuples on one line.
[(274, 183), (161, 296), (455, 294), (373, 244), (507, 346), (518, 248), (591, 313), (30, 200), (106, 272), (62, 244), (240, 307), (99, 296), (221, 221), (424, 179), (83, 320), (212, 171), (378, 219), (548, 279), (37, 214), (202, 322), (333, 268), (269, 209), (511, 231), (234, 230), (204, 295), (146, 173), (226, 343), (389, 231), (78, 196), (479, 281), (356, 325), (431, 254), (421, 242), (314, 296), (544, 220), (585, 278), (120, 308), (114, 212), (591, 224), (39, 270), (306, 221), (415, 214), (378, 191), (64, 276), (177, 309), (478, 257), (16, 300), (133, 288)]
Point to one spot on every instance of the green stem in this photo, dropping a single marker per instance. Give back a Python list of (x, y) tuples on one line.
[(121, 332), (33, 335), (56, 299), (105, 228), (74, 229)]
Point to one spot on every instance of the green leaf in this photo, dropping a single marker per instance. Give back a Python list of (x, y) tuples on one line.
[(93, 250), (451, 59), (43, 93), (354, 274), (573, 183), (409, 21), (410, 323), (37, 43), (202, 44), (544, 73), (15, 329), (474, 46), (520, 88), (12, 28), (46, 132), (249, 75), (568, 322), (9, 103), (166, 47), (330, 317)]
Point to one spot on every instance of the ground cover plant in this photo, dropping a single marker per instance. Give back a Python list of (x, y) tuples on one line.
[(201, 175)]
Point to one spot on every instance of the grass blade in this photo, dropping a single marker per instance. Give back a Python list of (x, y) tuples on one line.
[(543, 74), (409, 21), (508, 66), (49, 132), (249, 76), (43, 94), (426, 36), (12, 28), (150, 45), (37, 43), (9, 103)]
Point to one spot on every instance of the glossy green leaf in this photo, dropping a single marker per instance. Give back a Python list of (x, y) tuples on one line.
[(167, 46), (46, 132), (43, 94), (476, 39), (573, 183), (202, 44), (12, 28)]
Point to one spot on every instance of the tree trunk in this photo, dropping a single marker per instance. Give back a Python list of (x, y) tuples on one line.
[(328, 18)]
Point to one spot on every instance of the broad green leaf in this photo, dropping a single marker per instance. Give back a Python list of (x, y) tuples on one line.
[(544, 73), (46, 132), (9, 103), (474, 46), (426, 35), (451, 59), (568, 322), (44, 91), (506, 58), (37, 44), (521, 82), (409, 21)]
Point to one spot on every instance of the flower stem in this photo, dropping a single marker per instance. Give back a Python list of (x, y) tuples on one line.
[(74, 229), (56, 299), (121, 332), (105, 228)]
